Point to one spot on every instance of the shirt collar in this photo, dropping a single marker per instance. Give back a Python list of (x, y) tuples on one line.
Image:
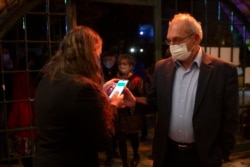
[(198, 58)]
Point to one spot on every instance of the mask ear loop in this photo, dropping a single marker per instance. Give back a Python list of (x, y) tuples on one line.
[(196, 38), (191, 38)]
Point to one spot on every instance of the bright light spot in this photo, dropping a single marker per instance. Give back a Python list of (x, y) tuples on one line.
[(132, 50), (23, 23), (141, 50), (141, 33)]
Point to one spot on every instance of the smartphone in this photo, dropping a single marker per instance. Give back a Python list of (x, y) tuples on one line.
[(120, 85)]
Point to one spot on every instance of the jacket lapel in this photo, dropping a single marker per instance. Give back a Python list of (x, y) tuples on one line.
[(206, 70), (171, 69)]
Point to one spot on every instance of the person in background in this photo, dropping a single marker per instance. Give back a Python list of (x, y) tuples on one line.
[(7, 61), (197, 100), (139, 69), (6, 64), (21, 113), (130, 120), (109, 68), (73, 114)]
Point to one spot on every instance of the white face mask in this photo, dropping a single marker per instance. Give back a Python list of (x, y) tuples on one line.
[(124, 69), (108, 64), (179, 52)]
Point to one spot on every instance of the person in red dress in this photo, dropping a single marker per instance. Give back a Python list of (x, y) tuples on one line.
[(22, 112)]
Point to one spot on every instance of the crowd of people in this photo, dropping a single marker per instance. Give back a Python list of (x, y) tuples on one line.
[(194, 94), (130, 122), (189, 90)]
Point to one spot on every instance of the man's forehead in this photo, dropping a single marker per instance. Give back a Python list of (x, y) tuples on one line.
[(176, 30)]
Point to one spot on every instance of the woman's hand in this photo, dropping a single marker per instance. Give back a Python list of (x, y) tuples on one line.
[(109, 86), (117, 100), (110, 82), (126, 99), (129, 98)]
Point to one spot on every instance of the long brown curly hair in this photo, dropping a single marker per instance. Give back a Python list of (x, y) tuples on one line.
[(78, 57)]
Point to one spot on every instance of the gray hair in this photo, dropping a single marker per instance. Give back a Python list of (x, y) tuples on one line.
[(192, 25)]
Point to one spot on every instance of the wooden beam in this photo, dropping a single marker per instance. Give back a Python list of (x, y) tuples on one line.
[(158, 29), (17, 14), (71, 14), (129, 2)]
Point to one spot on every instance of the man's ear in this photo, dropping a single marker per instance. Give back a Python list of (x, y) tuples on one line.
[(197, 39)]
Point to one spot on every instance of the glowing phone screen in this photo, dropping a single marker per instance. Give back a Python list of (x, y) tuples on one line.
[(119, 87)]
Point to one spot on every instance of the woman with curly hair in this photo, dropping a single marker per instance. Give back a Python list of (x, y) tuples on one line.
[(73, 113)]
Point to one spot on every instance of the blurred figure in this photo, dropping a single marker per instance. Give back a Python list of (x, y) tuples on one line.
[(109, 68), (130, 120), (7, 61), (8, 65), (5, 94), (74, 116), (139, 69), (22, 111)]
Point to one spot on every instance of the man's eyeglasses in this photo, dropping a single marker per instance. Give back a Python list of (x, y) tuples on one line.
[(177, 40)]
